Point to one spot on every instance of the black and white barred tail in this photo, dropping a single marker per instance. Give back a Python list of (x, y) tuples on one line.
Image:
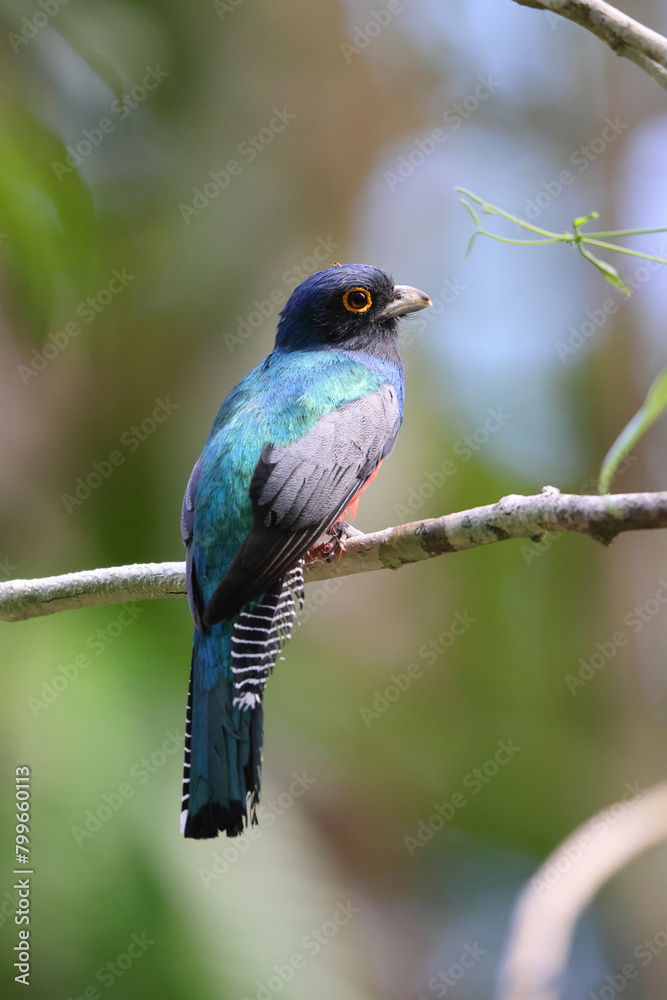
[(260, 634), (231, 764), (185, 794)]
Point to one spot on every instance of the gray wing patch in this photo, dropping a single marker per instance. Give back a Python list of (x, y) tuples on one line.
[(315, 475), (299, 491), (187, 529)]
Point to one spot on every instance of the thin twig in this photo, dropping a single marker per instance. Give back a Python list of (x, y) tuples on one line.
[(625, 36), (602, 518)]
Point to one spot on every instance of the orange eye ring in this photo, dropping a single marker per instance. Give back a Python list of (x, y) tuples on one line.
[(357, 300)]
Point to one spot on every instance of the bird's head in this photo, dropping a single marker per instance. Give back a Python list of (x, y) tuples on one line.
[(348, 306)]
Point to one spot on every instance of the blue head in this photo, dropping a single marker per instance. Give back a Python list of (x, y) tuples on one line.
[(350, 307)]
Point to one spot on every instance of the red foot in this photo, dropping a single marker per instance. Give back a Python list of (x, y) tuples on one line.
[(322, 551)]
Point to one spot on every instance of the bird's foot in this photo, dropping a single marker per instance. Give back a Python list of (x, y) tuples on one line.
[(339, 533), (321, 552)]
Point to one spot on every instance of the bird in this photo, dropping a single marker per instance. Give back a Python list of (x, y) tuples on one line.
[(292, 448)]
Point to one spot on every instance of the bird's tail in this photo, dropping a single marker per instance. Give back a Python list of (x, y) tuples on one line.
[(223, 748), (224, 722)]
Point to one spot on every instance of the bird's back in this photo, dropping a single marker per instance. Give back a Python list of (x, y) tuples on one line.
[(277, 404)]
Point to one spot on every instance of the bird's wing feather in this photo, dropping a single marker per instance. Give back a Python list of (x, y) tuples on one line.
[(187, 530), (299, 491)]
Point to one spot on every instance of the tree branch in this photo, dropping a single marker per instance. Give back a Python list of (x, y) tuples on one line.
[(602, 518), (549, 906), (627, 37)]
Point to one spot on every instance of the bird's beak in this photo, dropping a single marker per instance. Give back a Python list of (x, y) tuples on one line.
[(406, 300)]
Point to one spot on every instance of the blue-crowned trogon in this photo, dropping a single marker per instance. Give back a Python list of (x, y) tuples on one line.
[(291, 449)]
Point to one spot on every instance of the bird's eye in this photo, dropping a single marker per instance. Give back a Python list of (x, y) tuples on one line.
[(357, 300)]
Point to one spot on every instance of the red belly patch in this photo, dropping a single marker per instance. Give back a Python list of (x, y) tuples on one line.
[(350, 512)]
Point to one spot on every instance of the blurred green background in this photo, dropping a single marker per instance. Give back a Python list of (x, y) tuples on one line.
[(136, 290)]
